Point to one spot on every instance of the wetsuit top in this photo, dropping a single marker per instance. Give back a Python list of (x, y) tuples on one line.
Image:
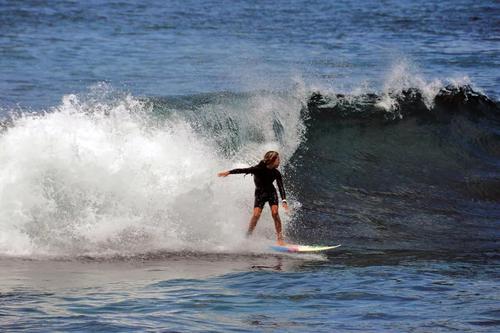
[(263, 178)]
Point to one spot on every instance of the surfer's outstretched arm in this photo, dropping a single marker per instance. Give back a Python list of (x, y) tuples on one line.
[(250, 170)]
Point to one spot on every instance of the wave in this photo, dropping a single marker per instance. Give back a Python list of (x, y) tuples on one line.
[(107, 174), (414, 173), (394, 105)]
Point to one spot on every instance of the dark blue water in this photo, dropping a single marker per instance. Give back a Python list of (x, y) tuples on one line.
[(282, 294), (182, 47), (116, 116)]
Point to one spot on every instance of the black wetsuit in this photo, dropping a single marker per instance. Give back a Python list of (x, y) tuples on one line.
[(263, 178)]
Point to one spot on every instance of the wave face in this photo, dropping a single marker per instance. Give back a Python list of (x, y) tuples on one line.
[(401, 171), (106, 173)]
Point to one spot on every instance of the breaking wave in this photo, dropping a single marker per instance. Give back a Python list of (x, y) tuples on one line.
[(104, 173)]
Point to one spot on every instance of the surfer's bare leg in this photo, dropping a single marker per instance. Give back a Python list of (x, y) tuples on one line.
[(253, 221), (277, 224)]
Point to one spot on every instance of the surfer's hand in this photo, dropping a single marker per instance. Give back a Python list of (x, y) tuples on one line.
[(285, 207), (223, 174)]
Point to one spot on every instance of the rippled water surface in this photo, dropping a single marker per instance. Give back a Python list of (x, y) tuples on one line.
[(115, 117), (252, 293)]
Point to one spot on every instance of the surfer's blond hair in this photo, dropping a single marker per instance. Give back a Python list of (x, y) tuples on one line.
[(270, 157)]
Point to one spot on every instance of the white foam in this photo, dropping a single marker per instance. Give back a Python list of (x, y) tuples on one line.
[(404, 75), (101, 175)]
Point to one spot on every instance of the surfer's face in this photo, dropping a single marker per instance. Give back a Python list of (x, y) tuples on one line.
[(276, 162)]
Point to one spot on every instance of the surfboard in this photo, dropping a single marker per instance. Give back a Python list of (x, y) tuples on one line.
[(293, 248)]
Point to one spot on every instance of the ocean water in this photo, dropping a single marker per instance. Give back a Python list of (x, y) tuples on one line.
[(115, 118)]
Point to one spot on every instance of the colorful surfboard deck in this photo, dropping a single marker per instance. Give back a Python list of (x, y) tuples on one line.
[(291, 248)]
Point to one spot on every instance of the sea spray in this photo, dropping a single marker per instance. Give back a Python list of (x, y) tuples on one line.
[(104, 175)]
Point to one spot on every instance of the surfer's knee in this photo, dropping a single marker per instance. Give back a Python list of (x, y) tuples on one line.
[(257, 212)]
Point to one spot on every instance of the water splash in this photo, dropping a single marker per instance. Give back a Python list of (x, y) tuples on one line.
[(103, 174)]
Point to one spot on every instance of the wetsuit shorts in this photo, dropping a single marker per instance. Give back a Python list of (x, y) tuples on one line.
[(262, 197)]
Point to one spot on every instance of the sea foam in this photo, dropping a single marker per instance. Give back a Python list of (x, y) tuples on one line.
[(102, 174)]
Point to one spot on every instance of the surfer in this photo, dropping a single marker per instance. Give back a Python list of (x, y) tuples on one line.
[(264, 174)]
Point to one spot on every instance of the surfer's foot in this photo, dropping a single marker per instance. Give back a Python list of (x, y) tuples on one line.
[(280, 240)]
